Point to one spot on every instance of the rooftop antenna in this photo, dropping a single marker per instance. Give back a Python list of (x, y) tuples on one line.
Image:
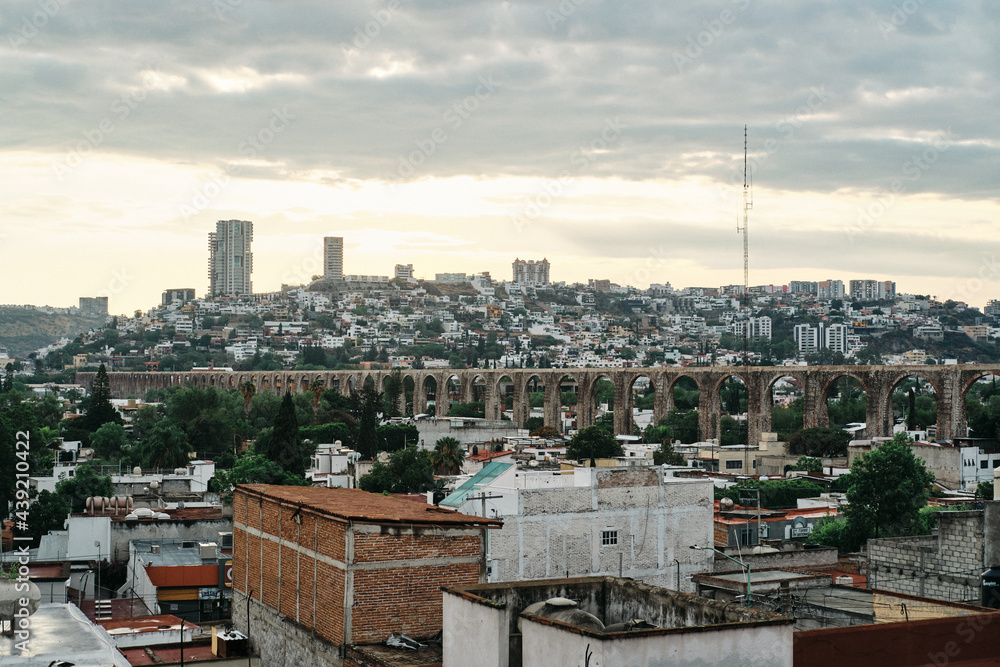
[(744, 228)]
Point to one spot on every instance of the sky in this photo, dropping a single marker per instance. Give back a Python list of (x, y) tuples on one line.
[(607, 137)]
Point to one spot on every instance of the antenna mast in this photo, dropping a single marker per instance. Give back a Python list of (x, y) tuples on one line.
[(747, 205)]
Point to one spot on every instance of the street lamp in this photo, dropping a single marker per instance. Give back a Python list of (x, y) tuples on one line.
[(749, 598)]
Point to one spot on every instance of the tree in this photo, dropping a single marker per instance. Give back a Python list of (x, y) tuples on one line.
[(809, 464), (888, 487), (109, 441), (47, 512), (99, 408), (819, 442), (166, 447), (448, 456), (677, 425), (408, 471), (282, 444), (985, 490), (475, 409), (317, 390), (247, 390), (254, 469), (546, 432), (366, 407), (393, 390), (593, 442), (666, 455), (87, 481)]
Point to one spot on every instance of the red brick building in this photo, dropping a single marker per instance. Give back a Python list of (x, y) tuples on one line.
[(328, 568)]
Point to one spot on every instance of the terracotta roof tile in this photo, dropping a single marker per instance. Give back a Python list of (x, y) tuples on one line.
[(363, 507)]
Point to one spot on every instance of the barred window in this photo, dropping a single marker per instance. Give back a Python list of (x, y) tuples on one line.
[(609, 538)]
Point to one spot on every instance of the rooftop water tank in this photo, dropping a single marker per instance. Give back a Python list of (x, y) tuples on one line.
[(991, 587)]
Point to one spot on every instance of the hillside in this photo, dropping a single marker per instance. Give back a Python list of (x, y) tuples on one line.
[(23, 330)]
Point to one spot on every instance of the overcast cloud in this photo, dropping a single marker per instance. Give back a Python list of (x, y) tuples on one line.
[(461, 135)]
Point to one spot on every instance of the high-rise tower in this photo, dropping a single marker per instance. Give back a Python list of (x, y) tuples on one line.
[(230, 261), (333, 257)]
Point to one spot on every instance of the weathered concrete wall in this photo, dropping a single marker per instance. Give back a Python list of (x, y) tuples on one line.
[(946, 566), (201, 530), (822, 558), (432, 430), (558, 531), (279, 642)]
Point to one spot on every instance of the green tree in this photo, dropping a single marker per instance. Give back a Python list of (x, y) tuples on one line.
[(47, 512), (809, 464), (109, 441), (888, 487), (475, 409), (247, 391), (408, 471), (166, 447), (448, 456), (254, 469), (282, 444), (532, 424), (593, 442), (819, 442), (99, 407), (396, 436), (208, 418), (666, 455), (366, 407), (87, 481)]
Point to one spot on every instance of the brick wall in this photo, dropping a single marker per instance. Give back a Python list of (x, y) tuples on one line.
[(350, 583), (946, 566)]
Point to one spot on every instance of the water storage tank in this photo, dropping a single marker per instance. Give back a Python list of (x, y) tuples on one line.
[(991, 587)]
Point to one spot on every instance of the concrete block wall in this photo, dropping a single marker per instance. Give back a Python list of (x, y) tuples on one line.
[(946, 566)]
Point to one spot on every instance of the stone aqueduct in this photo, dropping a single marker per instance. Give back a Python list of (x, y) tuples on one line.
[(950, 384)]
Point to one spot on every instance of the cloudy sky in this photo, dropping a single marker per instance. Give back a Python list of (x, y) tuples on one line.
[(456, 136)]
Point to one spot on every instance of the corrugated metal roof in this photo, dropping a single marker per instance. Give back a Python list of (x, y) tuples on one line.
[(362, 507), (489, 473)]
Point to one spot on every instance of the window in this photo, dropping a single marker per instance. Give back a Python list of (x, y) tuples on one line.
[(609, 538), (734, 465), (983, 464), (996, 463)]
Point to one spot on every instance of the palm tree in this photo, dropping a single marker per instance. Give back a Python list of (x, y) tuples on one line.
[(448, 456), (317, 391), (247, 389)]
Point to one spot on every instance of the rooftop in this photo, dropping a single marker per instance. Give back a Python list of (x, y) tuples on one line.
[(355, 505), (60, 632)]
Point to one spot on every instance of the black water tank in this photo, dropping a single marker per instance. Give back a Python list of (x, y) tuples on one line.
[(991, 587)]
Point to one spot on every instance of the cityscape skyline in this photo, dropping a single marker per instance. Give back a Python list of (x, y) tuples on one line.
[(607, 139)]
